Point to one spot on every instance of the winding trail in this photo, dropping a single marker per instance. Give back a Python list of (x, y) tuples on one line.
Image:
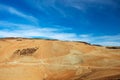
[(60, 65)]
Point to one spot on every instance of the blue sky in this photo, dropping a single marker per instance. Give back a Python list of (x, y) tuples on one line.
[(93, 21)]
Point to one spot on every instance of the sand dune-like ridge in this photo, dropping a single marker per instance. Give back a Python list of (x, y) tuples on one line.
[(39, 59)]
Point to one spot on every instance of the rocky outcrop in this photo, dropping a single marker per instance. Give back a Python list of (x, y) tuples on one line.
[(25, 52), (113, 47)]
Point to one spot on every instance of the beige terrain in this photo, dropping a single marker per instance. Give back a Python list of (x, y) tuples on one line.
[(38, 59)]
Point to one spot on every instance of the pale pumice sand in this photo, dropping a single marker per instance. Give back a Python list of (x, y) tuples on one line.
[(38, 59)]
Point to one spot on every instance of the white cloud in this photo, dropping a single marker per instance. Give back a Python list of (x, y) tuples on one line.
[(82, 5), (107, 43), (18, 13), (23, 30), (110, 38)]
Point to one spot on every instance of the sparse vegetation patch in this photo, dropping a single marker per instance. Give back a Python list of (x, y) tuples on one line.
[(26, 52)]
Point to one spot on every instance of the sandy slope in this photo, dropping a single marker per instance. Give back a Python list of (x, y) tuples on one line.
[(35, 59)]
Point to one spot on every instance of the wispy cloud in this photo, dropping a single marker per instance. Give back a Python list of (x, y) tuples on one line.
[(82, 5), (18, 13), (24, 30)]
